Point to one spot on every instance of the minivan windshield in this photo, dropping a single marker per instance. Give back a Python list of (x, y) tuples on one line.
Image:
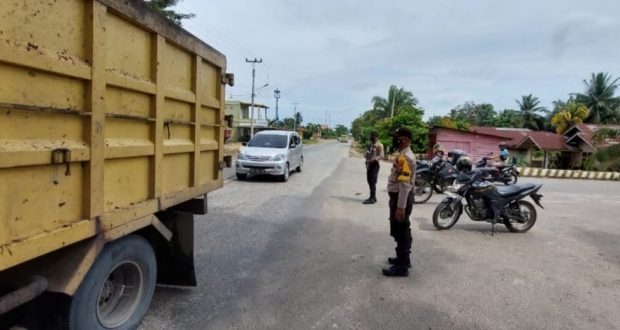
[(268, 141)]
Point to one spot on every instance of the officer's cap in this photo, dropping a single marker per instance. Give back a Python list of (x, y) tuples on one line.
[(403, 131)]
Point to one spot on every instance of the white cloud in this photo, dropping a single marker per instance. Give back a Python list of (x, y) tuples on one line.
[(336, 55)]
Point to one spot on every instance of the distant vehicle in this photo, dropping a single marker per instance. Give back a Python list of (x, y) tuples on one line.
[(271, 153), (343, 139)]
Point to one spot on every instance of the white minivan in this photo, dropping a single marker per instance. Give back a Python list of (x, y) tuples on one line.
[(272, 153)]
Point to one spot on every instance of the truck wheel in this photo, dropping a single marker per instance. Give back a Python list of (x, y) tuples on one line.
[(118, 289)]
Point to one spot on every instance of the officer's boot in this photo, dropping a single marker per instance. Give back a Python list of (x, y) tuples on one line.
[(372, 199), (396, 270)]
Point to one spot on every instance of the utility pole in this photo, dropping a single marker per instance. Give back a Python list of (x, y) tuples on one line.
[(276, 94), (295, 116), (254, 61)]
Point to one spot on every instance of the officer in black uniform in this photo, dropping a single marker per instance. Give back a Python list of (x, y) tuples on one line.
[(373, 155), (401, 192)]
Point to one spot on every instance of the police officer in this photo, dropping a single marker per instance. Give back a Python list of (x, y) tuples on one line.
[(373, 155), (401, 192)]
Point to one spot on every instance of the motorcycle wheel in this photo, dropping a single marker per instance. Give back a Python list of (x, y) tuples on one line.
[(510, 179), (422, 191), (528, 213), (444, 217)]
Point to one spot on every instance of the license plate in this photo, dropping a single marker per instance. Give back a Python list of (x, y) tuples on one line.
[(257, 171)]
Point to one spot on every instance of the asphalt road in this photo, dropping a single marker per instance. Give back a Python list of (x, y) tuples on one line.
[(307, 254)]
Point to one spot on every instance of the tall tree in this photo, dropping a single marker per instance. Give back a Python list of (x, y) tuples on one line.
[(397, 98), (508, 118), (163, 7), (572, 114), (599, 98), (298, 118), (473, 114), (530, 111)]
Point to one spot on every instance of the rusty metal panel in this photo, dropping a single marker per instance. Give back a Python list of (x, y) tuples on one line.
[(108, 114)]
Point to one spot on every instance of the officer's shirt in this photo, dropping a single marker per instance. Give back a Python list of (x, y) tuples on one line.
[(375, 152), (402, 176)]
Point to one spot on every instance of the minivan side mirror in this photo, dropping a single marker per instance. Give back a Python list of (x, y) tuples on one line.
[(292, 146)]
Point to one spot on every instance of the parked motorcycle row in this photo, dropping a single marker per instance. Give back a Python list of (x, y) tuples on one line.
[(484, 192)]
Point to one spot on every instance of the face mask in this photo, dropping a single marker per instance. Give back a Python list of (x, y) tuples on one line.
[(395, 143)]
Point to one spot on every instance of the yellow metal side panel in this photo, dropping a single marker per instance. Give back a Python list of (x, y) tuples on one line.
[(38, 199), (122, 101), (128, 138), (128, 49), (30, 87), (178, 172), (26, 125), (176, 110), (126, 182), (210, 133), (131, 129), (177, 68), (210, 81), (207, 173), (56, 25), (209, 116), (178, 132), (96, 105)]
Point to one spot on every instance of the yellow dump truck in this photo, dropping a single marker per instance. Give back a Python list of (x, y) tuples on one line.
[(111, 136)]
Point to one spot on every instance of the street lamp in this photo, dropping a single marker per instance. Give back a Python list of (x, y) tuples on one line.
[(276, 95)]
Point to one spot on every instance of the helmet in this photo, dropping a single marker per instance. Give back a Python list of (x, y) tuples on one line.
[(437, 148), (464, 164)]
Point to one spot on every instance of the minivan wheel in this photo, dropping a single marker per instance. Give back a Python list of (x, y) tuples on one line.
[(300, 168), (287, 171), (241, 176)]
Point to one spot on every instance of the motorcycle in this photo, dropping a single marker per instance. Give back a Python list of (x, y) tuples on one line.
[(484, 201), (422, 188), (436, 175), (505, 174)]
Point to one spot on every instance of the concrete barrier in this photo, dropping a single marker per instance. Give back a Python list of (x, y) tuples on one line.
[(569, 174)]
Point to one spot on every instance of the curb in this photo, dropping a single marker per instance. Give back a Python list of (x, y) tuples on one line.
[(568, 174)]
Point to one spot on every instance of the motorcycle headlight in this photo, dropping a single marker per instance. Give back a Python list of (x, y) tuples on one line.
[(241, 156), (277, 158)]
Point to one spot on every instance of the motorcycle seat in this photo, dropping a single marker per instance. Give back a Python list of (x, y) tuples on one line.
[(515, 189)]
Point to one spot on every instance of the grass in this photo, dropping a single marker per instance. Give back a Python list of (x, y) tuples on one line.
[(310, 141)]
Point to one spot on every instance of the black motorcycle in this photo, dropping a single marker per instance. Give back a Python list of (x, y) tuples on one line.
[(505, 174), (484, 201), (440, 175), (422, 188)]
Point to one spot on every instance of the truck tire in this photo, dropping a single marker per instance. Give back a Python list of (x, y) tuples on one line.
[(118, 289)]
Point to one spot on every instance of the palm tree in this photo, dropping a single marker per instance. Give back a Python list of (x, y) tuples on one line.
[(530, 117), (599, 98), (397, 97), (571, 114), (606, 133)]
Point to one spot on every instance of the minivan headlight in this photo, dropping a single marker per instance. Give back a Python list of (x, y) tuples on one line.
[(278, 158), (241, 156)]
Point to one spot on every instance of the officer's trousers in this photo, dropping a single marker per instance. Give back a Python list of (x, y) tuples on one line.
[(401, 230), (371, 176)]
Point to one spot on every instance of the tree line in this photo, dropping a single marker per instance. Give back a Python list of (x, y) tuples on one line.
[(596, 104)]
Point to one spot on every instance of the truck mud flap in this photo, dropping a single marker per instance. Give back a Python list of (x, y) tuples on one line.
[(175, 258)]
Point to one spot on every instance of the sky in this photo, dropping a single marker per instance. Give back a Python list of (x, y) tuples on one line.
[(333, 56)]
